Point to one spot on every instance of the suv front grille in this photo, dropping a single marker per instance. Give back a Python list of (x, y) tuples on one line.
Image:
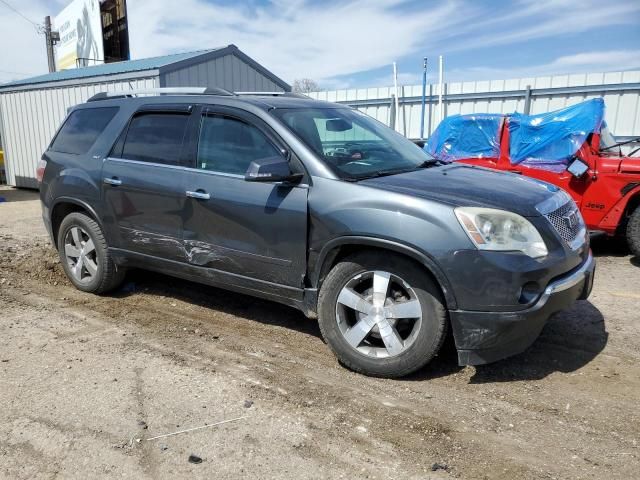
[(568, 222)]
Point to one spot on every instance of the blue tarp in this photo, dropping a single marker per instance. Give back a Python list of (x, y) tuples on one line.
[(552, 138), (547, 140), (466, 136)]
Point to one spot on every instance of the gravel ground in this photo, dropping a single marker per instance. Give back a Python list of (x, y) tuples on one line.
[(87, 381)]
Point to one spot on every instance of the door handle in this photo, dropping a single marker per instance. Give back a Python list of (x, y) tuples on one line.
[(198, 194), (115, 181)]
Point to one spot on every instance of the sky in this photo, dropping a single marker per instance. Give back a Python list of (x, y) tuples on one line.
[(352, 43)]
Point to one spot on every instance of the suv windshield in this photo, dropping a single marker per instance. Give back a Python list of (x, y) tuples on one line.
[(353, 144)]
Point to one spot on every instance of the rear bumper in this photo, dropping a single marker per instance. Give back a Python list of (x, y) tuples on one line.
[(484, 337)]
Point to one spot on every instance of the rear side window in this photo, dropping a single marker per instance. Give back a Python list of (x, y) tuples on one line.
[(82, 129), (156, 137)]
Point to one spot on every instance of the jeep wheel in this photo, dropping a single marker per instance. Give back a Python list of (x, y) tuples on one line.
[(633, 232), (84, 256), (381, 314)]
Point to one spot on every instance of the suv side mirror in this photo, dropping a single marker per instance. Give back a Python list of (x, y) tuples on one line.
[(271, 169)]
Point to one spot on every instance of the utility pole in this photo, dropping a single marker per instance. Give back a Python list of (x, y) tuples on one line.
[(51, 38)]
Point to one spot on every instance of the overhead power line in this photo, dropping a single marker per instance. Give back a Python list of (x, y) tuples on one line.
[(12, 72), (38, 26)]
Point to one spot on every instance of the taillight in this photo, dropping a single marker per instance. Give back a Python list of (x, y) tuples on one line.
[(42, 164)]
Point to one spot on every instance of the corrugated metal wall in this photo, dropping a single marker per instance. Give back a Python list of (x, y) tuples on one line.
[(228, 72), (621, 91), (29, 119)]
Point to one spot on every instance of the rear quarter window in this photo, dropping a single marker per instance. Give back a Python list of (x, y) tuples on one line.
[(81, 130)]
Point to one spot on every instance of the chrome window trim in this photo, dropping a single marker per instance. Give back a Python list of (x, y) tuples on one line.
[(191, 169), (142, 162)]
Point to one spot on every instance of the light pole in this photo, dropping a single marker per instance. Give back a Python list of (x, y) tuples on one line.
[(424, 97)]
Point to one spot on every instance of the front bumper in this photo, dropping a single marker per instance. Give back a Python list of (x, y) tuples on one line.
[(484, 337)]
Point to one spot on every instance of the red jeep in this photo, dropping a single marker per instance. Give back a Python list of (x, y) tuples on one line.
[(571, 148)]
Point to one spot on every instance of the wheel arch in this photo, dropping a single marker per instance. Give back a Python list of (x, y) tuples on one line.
[(339, 248), (633, 202), (616, 217), (62, 207)]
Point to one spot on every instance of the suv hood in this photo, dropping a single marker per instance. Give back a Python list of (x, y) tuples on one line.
[(464, 185)]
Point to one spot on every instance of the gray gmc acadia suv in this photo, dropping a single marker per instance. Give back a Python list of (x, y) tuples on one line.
[(317, 206)]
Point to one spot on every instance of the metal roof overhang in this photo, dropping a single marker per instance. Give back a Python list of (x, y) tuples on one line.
[(82, 81), (155, 71)]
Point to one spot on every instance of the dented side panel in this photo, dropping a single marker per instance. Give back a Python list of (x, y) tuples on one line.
[(254, 229), (144, 213)]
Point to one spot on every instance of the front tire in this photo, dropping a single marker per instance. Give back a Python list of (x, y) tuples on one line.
[(84, 255), (633, 232), (381, 314)]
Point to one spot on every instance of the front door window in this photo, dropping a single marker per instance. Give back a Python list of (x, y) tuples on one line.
[(229, 145)]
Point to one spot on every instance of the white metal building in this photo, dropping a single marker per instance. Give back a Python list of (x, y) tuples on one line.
[(32, 109), (620, 90)]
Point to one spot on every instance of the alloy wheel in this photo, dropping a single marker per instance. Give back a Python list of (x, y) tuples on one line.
[(81, 255), (378, 314)]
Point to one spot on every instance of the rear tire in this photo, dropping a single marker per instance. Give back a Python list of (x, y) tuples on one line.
[(85, 257), (396, 322), (633, 232)]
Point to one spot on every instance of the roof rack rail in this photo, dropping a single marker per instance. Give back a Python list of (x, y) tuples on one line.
[(273, 94), (161, 91)]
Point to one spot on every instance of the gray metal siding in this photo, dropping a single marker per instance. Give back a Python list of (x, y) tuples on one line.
[(227, 72), (620, 90), (30, 118)]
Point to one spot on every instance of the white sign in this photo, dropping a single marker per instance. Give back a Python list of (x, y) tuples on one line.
[(80, 28)]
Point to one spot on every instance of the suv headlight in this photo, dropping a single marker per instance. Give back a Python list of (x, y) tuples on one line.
[(492, 229)]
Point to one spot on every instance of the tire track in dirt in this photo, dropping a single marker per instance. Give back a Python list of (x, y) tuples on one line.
[(564, 408)]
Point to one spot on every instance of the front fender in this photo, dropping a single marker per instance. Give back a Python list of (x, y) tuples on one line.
[(430, 265), (612, 219), (345, 213)]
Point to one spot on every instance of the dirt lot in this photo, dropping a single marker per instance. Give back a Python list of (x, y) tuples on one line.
[(87, 381)]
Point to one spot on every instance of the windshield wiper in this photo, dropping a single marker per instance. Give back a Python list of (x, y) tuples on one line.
[(434, 162), (398, 171), (383, 173)]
